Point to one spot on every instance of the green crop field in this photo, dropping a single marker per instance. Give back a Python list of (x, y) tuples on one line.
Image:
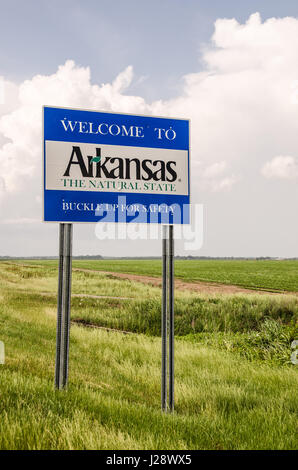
[(264, 274), (235, 386)]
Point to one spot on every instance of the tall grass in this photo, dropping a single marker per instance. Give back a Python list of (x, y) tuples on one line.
[(114, 392), (192, 315), (223, 400)]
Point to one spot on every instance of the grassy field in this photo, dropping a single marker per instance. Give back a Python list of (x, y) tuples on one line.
[(235, 385), (268, 274)]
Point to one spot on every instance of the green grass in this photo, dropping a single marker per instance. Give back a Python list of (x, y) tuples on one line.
[(269, 275), (227, 396)]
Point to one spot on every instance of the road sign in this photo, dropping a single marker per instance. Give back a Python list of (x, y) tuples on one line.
[(107, 167), (111, 167)]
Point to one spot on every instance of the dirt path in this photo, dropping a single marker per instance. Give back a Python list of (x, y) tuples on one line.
[(194, 286), (200, 287)]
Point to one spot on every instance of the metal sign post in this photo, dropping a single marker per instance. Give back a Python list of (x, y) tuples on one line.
[(164, 319), (63, 305), (167, 307), (171, 314)]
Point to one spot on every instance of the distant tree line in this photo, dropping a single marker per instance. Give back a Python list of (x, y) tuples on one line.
[(189, 257)]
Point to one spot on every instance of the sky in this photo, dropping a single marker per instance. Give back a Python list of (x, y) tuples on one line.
[(230, 67)]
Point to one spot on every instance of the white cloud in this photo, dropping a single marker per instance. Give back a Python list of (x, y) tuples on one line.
[(224, 183), (8, 101), (215, 169), (281, 167), (242, 106), (212, 177), (217, 184), (8, 96)]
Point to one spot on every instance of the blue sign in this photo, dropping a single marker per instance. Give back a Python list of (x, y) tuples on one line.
[(115, 167)]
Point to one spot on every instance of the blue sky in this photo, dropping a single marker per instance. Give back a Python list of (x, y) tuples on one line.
[(161, 39), (240, 92)]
